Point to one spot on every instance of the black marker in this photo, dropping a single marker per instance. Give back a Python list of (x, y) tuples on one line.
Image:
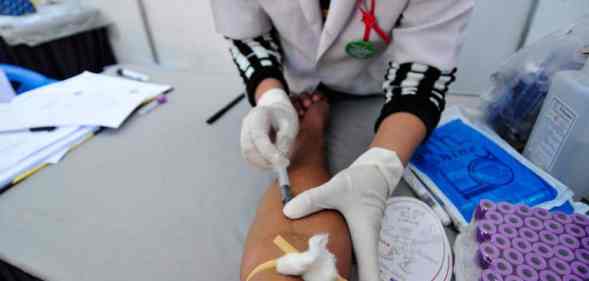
[(225, 109)]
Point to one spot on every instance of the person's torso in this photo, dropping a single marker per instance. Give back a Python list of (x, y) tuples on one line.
[(316, 46)]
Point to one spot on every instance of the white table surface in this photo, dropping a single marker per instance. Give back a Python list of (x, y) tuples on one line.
[(165, 197)]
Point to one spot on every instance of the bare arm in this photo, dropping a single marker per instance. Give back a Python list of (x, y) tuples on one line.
[(402, 133)]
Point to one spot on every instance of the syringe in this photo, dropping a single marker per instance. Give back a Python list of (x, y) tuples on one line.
[(284, 184)]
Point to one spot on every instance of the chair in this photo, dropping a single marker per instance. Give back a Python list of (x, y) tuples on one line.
[(24, 80)]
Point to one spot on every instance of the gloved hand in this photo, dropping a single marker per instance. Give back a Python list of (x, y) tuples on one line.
[(273, 113), (359, 193)]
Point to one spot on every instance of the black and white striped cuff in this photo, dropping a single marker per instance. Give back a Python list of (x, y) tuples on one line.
[(417, 89), (257, 59)]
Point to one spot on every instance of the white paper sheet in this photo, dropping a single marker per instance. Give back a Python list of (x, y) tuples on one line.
[(16, 146), (45, 155), (87, 99)]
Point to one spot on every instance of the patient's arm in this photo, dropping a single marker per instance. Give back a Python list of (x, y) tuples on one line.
[(308, 169)]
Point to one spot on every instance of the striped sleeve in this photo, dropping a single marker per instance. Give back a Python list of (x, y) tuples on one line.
[(417, 89), (258, 59)]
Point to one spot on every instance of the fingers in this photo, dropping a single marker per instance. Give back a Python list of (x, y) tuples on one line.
[(365, 229), (310, 201), (286, 134), (268, 151)]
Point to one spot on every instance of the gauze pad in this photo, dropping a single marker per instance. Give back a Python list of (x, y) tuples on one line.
[(316, 264)]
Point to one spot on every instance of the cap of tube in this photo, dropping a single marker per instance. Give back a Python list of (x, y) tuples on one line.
[(536, 261), (494, 217), (533, 223), (513, 256), (514, 220), (509, 230), (547, 275), (581, 219), (548, 237), (562, 217), (526, 272), (500, 241), (505, 208), (528, 234), (575, 230), (502, 266), (582, 255), (483, 207), (571, 277), (542, 214), (491, 275), (523, 211), (553, 226), (569, 241), (521, 245), (559, 266), (484, 230), (564, 253), (580, 269)]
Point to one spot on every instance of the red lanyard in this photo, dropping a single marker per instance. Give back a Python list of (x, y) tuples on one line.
[(371, 23)]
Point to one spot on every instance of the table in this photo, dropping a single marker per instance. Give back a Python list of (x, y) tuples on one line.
[(165, 197)]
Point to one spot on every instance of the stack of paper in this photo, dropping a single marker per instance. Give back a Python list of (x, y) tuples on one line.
[(77, 107)]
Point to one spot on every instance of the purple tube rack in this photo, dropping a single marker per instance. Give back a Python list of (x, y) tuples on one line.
[(532, 244)]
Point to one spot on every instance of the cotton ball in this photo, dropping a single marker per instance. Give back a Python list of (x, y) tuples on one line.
[(316, 264)]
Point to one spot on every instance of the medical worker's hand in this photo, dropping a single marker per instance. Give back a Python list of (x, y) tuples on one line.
[(274, 113), (359, 193)]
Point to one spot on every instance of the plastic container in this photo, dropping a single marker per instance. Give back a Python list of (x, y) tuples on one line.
[(559, 143)]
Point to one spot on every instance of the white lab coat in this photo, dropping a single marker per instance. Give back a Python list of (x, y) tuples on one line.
[(430, 32)]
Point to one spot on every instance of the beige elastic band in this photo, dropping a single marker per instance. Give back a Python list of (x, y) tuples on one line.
[(285, 247)]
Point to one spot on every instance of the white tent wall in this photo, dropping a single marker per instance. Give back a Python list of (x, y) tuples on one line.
[(184, 37), (552, 15)]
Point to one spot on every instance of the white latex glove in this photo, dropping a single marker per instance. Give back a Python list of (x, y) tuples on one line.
[(274, 112), (359, 193)]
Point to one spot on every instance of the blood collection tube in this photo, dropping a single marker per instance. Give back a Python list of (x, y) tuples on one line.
[(581, 219), (543, 250), (559, 266), (542, 214), (569, 241), (536, 261), (580, 269), (585, 242), (502, 266), (505, 208), (526, 272), (514, 220), (494, 217), (500, 241), (509, 230), (523, 211), (562, 217), (522, 245), (575, 230), (487, 254), (564, 253), (553, 226), (548, 237), (533, 223), (483, 207), (513, 256), (484, 230), (582, 255), (528, 234), (547, 275), (491, 275)]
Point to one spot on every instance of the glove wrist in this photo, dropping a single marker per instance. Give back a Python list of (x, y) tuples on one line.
[(274, 96), (386, 161)]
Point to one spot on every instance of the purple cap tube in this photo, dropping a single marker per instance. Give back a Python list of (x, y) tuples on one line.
[(523, 211), (580, 269), (483, 207), (536, 261), (575, 230), (582, 255), (564, 253), (513, 256), (494, 217), (571, 277), (513, 278), (553, 226), (528, 234), (559, 266), (543, 250), (487, 254), (500, 241), (569, 241), (542, 214), (505, 208), (484, 230), (562, 217), (534, 223), (581, 219), (521, 245), (548, 237), (526, 272), (585, 242), (502, 266), (509, 230), (491, 275), (514, 220), (547, 275)]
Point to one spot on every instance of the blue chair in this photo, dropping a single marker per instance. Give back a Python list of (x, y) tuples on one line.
[(24, 80)]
